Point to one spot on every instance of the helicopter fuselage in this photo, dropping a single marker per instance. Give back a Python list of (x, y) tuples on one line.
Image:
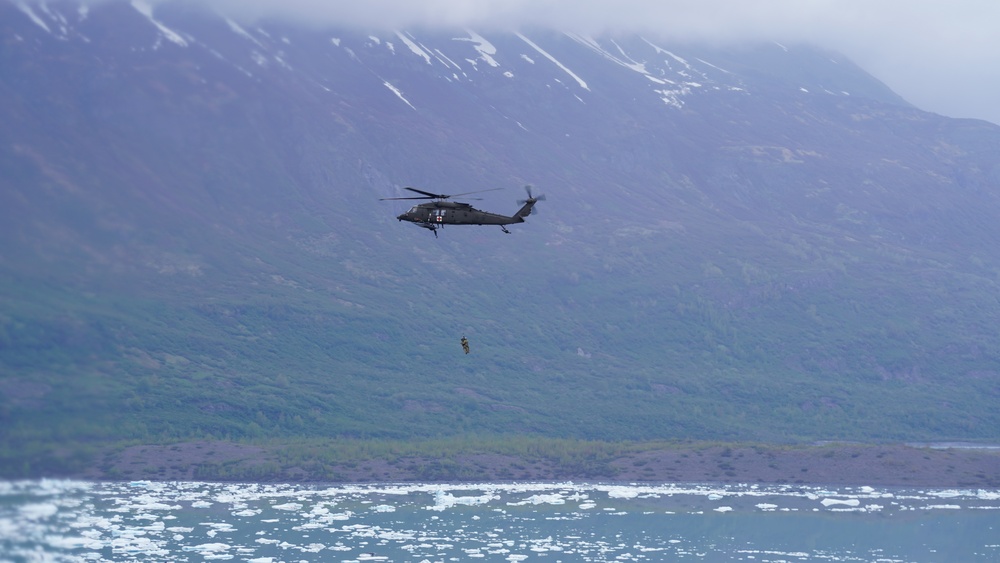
[(435, 214), (439, 213)]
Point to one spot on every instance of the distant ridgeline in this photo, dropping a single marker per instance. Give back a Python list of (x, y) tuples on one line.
[(756, 243)]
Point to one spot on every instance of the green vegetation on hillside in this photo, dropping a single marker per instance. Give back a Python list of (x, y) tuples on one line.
[(632, 365), (192, 251)]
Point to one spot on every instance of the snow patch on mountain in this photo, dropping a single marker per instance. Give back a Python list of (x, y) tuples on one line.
[(235, 27), (593, 45), (33, 16), (414, 47), (662, 51), (51, 20), (554, 61), (485, 48), (397, 92), (58, 18), (146, 9), (673, 97), (450, 62)]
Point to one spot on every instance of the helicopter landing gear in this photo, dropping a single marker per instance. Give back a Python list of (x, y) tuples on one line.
[(504, 229)]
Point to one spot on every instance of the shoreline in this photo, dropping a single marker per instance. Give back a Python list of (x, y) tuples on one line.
[(850, 464)]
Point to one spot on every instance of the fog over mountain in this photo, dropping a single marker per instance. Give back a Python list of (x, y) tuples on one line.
[(937, 55), (742, 241)]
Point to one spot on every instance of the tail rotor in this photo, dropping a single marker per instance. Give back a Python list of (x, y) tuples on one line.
[(528, 204), (531, 198)]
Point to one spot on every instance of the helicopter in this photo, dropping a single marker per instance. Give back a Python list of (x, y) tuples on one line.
[(436, 214)]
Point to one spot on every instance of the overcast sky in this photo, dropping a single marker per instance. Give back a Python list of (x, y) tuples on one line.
[(941, 55)]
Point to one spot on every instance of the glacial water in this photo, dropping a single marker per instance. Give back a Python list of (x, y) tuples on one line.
[(52, 520)]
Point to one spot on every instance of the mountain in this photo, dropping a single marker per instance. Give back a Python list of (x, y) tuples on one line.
[(756, 243)]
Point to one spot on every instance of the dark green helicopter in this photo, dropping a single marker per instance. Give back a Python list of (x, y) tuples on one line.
[(436, 214)]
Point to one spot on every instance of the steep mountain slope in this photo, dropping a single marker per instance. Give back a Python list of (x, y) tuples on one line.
[(747, 243)]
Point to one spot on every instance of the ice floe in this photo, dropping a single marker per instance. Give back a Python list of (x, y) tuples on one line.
[(60, 520)]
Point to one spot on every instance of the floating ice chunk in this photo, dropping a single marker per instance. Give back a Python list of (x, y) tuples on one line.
[(723, 509), (288, 506), (948, 493), (845, 502), (444, 500), (554, 498), (39, 511), (137, 546), (220, 526), (398, 536), (69, 542), (342, 515), (266, 541), (207, 547), (623, 492)]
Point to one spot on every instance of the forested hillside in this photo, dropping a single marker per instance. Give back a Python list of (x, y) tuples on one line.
[(757, 243)]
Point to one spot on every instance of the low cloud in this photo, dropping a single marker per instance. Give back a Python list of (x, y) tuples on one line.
[(940, 56)]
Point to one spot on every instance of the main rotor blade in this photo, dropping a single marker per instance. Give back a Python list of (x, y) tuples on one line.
[(475, 192), (428, 194)]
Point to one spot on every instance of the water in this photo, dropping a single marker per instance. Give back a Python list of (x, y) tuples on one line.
[(181, 521)]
